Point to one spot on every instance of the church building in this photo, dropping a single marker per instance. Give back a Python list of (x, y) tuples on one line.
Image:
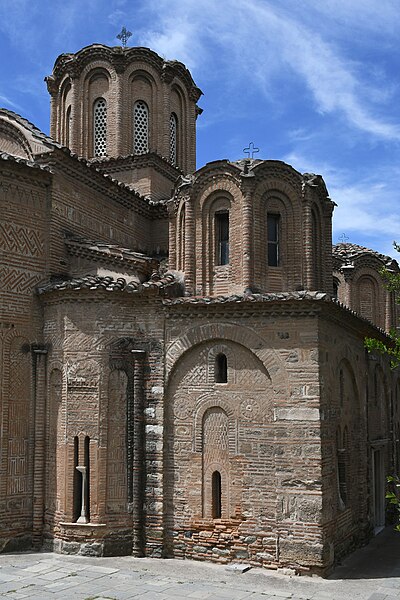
[(182, 361)]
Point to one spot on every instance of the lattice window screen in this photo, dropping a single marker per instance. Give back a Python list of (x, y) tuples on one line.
[(100, 127), (172, 138), (141, 127)]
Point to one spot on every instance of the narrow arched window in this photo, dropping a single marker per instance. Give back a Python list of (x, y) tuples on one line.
[(273, 239), (173, 126), (216, 495), (140, 127), (87, 486), (335, 288), (100, 127), (221, 369), (77, 483), (222, 237), (68, 127), (341, 387), (341, 470)]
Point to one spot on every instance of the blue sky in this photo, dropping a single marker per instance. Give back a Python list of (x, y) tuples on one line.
[(313, 83)]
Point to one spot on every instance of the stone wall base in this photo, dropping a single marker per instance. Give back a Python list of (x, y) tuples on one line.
[(16, 544)]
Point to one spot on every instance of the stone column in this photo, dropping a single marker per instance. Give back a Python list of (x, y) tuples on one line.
[(190, 246), (138, 475), (39, 445)]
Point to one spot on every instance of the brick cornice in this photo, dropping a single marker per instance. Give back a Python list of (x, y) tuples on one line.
[(120, 58), (62, 161), (138, 161)]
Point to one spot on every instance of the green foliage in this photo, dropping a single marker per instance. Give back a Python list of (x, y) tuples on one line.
[(392, 495), (392, 348)]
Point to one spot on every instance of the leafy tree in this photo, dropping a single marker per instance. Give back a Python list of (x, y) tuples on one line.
[(392, 348)]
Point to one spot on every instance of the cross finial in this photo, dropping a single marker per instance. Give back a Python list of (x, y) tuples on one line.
[(343, 238), (124, 36), (251, 150)]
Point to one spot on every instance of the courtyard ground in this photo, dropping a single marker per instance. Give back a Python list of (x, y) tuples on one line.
[(371, 573)]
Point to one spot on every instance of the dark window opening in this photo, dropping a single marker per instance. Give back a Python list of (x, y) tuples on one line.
[(341, 387), (77, 484), (221, 369), (222, 237), (216, 495), (335, 288), (87, 486), (273, 239), (342, 475)]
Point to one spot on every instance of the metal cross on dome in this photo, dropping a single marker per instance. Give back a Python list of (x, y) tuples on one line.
[(343, 238), (251, 150), (124, 36)]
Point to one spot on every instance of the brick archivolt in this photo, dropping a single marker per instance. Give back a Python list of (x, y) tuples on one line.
[(235, 333)]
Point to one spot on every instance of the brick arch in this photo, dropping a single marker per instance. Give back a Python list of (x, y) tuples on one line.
[(221, 183), (102, 67), (288, 188), (13, 141), (235, 333), (345, 363), (205, 403)]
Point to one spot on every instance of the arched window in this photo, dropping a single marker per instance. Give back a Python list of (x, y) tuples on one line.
[(216, 495), (140, 127), (273, 222), (68, 127), (100, 127), (341, 468), (221, 368), (77, 483), (341, 387), (335, 288), (222, 237), (173, 126)]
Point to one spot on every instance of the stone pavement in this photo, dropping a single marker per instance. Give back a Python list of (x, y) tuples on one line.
[(372, 573)]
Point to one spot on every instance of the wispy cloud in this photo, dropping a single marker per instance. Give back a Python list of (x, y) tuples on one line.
[(261, 41), (367, 206), (7, 102)]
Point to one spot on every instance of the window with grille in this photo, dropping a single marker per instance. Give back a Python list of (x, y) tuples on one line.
[(172, 137), (100, 127), (141, 127)]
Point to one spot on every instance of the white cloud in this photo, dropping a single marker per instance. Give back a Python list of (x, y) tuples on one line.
[(260, 41)]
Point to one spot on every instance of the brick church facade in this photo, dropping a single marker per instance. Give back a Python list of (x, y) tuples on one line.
[(182, 367)]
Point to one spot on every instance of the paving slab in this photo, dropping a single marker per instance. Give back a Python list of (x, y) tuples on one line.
[(371, 573)]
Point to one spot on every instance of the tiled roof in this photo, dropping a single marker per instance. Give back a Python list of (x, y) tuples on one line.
[(109, 284), (23, 161), (283, 296), (110, 252), (346, 251), (36, 132)]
